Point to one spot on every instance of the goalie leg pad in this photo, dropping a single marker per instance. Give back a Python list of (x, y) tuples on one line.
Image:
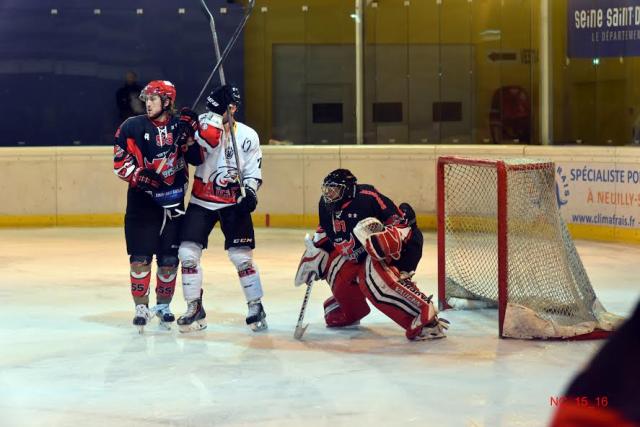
[(350, 304), (335, 317), (397, 297)]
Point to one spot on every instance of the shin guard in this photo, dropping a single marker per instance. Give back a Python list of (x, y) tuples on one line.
[(166, 284)]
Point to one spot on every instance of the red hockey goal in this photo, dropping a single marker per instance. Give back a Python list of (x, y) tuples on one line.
[(503, 244)]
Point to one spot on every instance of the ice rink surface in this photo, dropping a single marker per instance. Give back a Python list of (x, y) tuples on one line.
[(70, 356)]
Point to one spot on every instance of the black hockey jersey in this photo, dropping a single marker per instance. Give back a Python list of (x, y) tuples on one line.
[(338, 224), (142, 142)]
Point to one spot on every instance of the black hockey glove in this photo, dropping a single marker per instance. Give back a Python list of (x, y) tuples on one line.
[(249, 202), (145, 180), (221, 97), (187, 126)]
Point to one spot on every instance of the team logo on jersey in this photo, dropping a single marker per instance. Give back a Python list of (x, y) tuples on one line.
[(228, 152), (170, 168), (220, 186), (246, 145), (146, 136), (345, 247)]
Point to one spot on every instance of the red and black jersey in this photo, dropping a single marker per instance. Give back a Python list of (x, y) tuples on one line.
[(338, 224), (142, 142)]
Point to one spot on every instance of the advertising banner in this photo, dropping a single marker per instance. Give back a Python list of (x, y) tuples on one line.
[(604, 194), (598, 29)]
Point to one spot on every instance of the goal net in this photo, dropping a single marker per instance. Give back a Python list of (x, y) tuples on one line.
[(503, 244)]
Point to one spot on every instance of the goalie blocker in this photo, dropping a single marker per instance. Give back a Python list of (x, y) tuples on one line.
[(370, 259)]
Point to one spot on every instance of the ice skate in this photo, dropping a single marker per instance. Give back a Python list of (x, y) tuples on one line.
[(164, 315), (143, 315), (256, 316), (195, 317), (427, 325)]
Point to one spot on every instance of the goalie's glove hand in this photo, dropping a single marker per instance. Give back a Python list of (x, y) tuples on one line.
[(381, 242), (187, 126), (145, 179), (313, 265), (249, 201)]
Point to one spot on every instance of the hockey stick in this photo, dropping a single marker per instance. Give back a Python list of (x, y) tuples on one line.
[(297, 334), (227, 49), (214, 35), (219, 59)]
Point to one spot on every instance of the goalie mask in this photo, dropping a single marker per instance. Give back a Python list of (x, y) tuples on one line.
[(338, 186)]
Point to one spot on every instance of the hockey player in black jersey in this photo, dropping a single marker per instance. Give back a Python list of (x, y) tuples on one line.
[(151, 153), (368, 249)]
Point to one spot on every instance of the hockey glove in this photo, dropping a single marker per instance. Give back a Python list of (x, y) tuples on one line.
[(249, 202), (145, 179), (187, 126), (380, 242), (313, 265)]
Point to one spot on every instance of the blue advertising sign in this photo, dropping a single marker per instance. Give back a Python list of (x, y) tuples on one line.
[(598, 29)]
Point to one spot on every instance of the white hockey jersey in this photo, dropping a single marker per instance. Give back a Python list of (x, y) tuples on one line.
[(216, 184)]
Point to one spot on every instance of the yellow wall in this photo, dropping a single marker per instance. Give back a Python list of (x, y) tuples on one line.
[(595, 104), (422, 22)]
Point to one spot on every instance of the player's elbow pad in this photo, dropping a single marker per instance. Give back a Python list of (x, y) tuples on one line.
[(210, 131)]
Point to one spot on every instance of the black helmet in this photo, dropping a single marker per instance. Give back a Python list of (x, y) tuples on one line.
[(220, 98), (339, 185)]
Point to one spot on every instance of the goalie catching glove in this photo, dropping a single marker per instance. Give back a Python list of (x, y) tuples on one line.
[(313, 265), (383, 243)]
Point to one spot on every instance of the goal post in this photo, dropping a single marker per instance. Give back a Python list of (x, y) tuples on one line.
[(503, 244)]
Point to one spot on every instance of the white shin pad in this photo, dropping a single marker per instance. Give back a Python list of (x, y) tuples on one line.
[(189, 254), (242, 259)]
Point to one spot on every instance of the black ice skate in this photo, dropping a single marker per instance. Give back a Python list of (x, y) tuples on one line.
[(256, 316), (195, 317), (142, 317), (164, 315)]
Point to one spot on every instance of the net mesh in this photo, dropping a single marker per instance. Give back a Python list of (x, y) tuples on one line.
[(546, 278)]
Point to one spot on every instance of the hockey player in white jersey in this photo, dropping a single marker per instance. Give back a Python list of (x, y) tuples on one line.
[(216, 197)]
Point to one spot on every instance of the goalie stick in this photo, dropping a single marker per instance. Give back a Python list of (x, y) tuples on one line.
[(219, 59), (297, 334)]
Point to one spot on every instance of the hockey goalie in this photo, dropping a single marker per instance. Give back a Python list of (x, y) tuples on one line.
[(367, 248)]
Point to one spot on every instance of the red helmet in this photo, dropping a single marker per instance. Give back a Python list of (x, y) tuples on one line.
[(162, 88)]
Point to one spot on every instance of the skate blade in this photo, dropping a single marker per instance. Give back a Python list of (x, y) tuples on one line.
[(194, 327), (258, 326), (165, 326)]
